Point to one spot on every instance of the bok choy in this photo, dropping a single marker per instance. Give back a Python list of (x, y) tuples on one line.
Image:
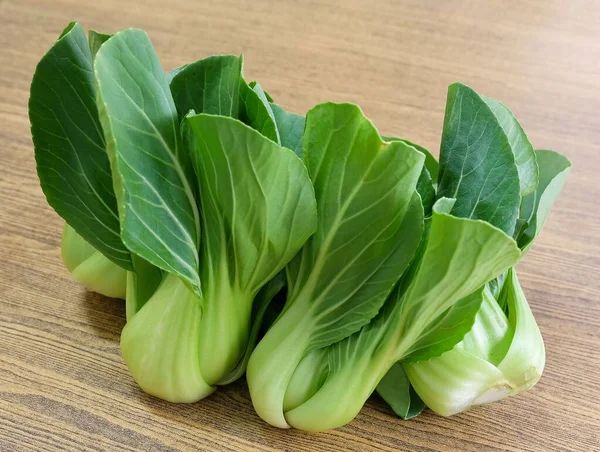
[(321, 258)]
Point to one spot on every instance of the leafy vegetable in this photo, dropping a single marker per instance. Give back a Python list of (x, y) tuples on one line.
[(222, 218), (72, 164), (459, 256), (500, 356), (257, 206), (152, 172), (503, 353), (258, 210), (369, 225), (477, 163)]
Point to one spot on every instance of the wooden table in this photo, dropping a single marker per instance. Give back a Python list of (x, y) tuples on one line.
[(63, 384)]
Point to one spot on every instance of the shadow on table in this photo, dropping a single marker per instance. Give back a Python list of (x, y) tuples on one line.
[(105, 315)]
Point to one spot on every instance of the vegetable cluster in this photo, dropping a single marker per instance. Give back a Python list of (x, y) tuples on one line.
[(360, 262)]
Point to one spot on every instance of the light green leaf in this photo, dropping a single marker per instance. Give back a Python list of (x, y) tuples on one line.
[(253, 83), (431, 164), (255, 111), (525, 158), (291, 128), (152, 173), (425, 186), (71, 159), (258, 205), (266, 99), (398, 393), (477, 165), (366, 220), (461, 255)]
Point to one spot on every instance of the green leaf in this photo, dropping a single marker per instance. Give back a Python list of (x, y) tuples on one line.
[(425, 185), (366, 220), (258, 205), (291, 128), (525, 157), (258, 209), (151, 170), (255, 111), (173, 72), (215, 85), (447, 330), (369, 225), (535, 208), (477, 165), (460, 255), (70, 153), (398, 393), (426, 191), (431, 164), (254, 83), (499, 357), (266, 99), (210, 85), (96, 40)]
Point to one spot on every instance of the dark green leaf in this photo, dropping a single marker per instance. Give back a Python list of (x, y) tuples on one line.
[(477, 165), (398, 393), (535, 208), (522, 149), (96, 40), (70, 153), (215, 85)]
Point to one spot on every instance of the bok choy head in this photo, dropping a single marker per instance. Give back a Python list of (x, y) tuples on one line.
[(369, 224), (486, 170), (176, 150), (503, 353)]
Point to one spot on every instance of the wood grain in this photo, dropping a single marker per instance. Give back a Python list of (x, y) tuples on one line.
[(63, 385)]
